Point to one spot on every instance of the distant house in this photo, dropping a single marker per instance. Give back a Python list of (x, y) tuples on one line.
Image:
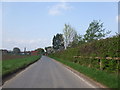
[(34, 52), (25, 53), (4, 51), (50, 50)]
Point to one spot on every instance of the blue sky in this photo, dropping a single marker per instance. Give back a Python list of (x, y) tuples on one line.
[(33, 24)]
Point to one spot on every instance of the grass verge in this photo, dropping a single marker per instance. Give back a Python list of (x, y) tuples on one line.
[(10, 66), (107, 79)]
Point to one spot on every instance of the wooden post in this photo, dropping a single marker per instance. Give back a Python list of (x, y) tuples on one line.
[(118, 66), (90, 62), (100, 62)]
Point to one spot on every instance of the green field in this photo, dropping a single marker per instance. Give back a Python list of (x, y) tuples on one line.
[(107, 79), (9, 66)]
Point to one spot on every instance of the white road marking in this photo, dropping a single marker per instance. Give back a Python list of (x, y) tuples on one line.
[(78, 76), (0, 87), (81, 78)]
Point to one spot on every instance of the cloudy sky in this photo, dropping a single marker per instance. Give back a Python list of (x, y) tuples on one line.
[(33, 24)]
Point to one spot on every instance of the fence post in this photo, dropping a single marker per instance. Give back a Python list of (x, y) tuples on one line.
[(118, 66), (101, 65)]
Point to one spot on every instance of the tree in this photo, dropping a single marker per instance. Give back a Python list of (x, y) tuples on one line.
[(58, 42), (95, 31), (16, 50), (77, 39), (3, 51), (69, 34)]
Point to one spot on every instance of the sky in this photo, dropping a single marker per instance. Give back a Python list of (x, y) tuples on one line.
[(33, 24)]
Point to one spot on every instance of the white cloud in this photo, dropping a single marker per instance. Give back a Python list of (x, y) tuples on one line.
[(59, 8)]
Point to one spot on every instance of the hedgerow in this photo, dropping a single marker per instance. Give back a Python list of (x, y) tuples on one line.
[(103, 48)]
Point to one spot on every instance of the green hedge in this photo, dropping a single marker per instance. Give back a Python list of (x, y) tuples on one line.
[(108, 47)]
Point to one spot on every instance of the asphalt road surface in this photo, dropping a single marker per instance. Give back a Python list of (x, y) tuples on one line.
[(47, 73)]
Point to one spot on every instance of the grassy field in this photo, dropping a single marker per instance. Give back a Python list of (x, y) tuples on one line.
[(107, 79), (11, 56), (9, 66)]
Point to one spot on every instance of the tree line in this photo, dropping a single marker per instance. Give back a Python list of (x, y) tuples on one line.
[(70, 37), (17, 51)]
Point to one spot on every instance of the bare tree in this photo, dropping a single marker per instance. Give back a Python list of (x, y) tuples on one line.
[(69, 34)]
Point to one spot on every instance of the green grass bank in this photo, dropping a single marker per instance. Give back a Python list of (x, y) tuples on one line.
[(10, 66)]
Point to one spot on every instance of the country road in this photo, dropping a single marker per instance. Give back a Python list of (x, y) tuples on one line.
[(47, 73)]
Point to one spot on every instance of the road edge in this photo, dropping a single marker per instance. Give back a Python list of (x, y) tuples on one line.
[(17, 71), (90, 80)]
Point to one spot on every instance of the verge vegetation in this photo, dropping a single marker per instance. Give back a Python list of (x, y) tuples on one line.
[(107, 79), (10, 66), (99, 48)]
